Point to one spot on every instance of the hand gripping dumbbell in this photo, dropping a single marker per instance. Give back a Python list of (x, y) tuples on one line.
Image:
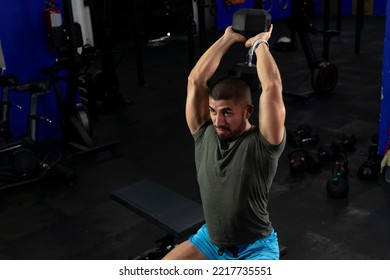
[(249, 22)]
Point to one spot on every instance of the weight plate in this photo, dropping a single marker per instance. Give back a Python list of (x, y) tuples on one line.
[(325, 78)]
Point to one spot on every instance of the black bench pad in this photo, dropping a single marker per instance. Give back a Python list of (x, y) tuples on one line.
[(174, 213)]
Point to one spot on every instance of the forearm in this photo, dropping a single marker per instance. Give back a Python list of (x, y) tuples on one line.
[(197, 104), (210, 60), (268, 73), (272, 110)]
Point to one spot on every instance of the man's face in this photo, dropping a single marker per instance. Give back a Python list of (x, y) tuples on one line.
[(229, 118)]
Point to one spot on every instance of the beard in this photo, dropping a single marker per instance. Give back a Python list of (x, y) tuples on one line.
[(224, 134)]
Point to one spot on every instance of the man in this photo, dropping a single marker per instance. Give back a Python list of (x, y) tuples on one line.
[(236, 162)]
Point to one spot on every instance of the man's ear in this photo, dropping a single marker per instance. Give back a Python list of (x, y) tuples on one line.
[(249, 111)]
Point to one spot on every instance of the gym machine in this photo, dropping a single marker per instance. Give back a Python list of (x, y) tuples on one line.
[(21, 160), (7, 82), (75, 118)]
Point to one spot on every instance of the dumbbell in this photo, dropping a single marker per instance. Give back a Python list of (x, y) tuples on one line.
[(303, 130), (303, 136), (345, 144), (306, 141), (327, 152), (249, 22)]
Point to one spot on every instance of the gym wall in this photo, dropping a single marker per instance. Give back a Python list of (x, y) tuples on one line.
[(25, 46), (225, 12), (384, 122)]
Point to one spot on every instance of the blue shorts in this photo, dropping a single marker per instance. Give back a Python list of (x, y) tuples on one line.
[(266, 248)]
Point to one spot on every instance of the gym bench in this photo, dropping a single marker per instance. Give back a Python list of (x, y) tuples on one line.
[(172, 212)]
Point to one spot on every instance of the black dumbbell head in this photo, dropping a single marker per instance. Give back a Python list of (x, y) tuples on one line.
[(303, 130), (249, 22)]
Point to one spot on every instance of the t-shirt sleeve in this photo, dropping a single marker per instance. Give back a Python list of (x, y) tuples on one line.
[(273, 150), (200, 133)]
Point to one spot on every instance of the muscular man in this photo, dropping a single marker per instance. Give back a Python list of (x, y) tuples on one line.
[(235, 161)]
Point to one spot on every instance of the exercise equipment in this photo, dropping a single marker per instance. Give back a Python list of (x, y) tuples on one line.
[(106, 76), (84, 102), (303, 131), (327, 152), (349, 142), (370, 168), (303, 136), (78, 122), (301, 160), (249, 22), (73, 56), (308, 140), (324, 74), (338, 185), (345, 144), (7, 82), (175, 214), (172, 212), (21, 161), (296, 159)]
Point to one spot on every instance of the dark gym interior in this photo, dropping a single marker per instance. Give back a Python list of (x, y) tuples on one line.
[(54, 218)]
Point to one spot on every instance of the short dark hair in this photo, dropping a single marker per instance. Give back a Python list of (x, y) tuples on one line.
[(231, 88)]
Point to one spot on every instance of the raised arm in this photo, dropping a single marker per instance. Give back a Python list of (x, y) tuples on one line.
[(197, 104), (272, 112)]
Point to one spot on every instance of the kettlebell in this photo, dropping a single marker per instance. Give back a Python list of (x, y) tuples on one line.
[(338, 186), (296, 159), (370, 168)]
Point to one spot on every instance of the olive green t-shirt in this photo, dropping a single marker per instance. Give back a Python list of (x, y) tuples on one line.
[(234, 180)]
